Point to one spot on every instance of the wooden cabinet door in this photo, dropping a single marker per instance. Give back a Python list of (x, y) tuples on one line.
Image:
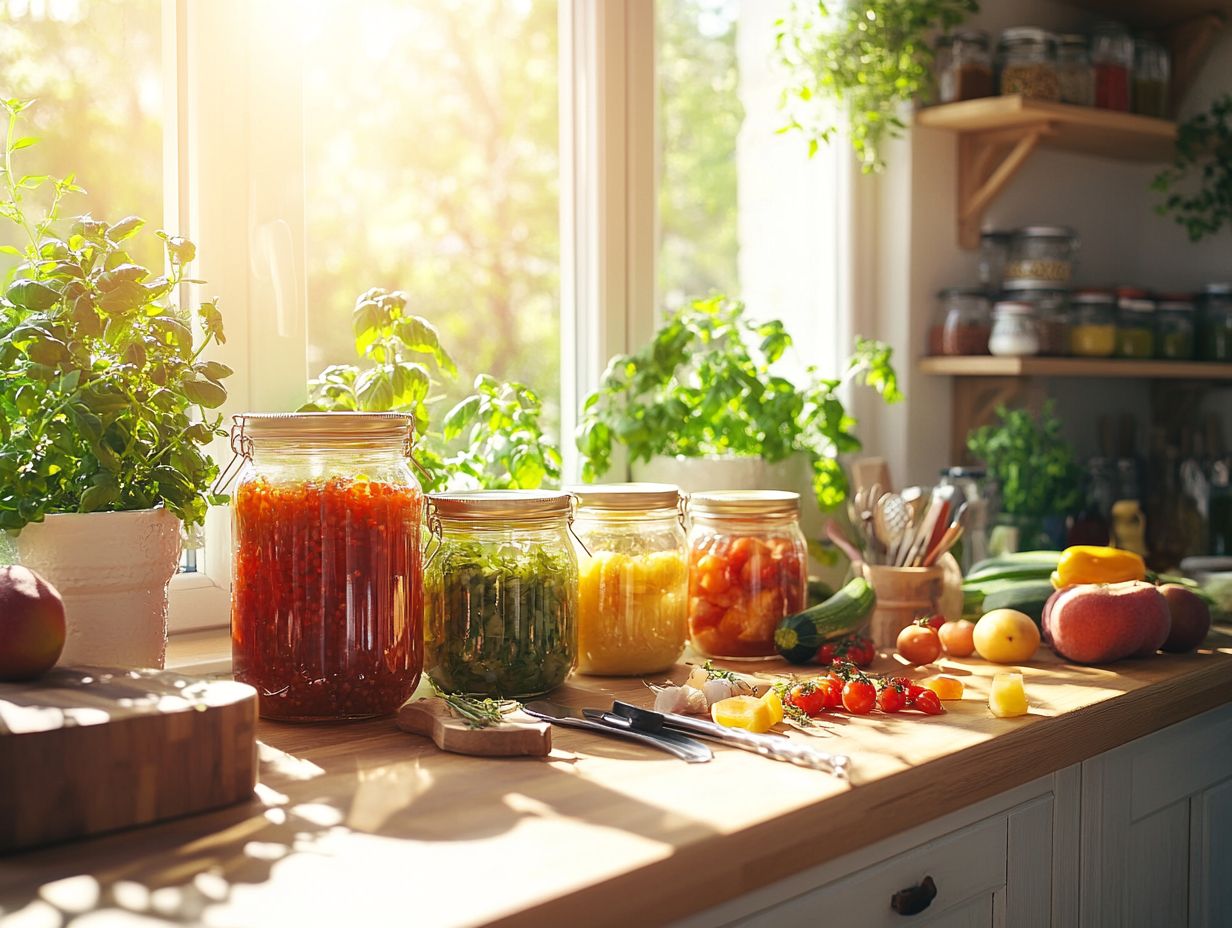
[(1156, 815)]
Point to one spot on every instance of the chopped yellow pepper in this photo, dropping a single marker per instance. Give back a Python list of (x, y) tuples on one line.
[(1096, 564)]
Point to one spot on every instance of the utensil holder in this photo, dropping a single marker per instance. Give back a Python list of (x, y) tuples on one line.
[(903, 593)]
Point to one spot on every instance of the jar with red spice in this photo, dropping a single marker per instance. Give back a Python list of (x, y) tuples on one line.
[(747, 569), (327, 585), (964, 324), (1112, 56)]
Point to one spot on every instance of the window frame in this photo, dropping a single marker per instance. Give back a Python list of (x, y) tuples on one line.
[(220, 135)]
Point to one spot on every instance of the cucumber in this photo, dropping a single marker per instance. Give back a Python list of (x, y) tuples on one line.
[(798, 636), (1026, 565), (1026, 596)]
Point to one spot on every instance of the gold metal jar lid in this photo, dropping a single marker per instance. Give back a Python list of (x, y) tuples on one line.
[(478, 505), (354, 429), (748, 503), (626, 497)]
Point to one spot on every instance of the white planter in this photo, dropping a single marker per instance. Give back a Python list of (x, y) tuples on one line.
[(112, 568)]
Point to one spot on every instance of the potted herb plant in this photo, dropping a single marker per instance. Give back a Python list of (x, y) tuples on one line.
[(1038, 480), (105, 404), (492, 439), (704, 391)]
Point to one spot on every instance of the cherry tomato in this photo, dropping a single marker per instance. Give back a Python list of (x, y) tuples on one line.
[(826, 653), (928, 703), (910, 687), (832, 692), (934, 621), (808, 698), (860, 651), (919, 644), (859, 696), (892, 699)]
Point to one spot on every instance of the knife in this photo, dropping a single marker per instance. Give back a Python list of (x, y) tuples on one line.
[(772, 746), (687, 749)]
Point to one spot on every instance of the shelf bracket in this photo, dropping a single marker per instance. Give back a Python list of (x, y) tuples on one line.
[(987, 161), (1188, 42)]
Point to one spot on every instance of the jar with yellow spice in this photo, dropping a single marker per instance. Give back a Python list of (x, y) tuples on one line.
[(633, 578)]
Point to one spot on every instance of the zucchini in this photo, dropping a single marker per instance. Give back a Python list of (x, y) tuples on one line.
[(1026, 565), (798, 636), (1026, 596)]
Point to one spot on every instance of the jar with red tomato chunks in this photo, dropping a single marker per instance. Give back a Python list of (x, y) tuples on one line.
[(747, 569), (327, 581)]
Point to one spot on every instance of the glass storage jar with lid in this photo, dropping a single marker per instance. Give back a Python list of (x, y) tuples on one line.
[(1014, 331), (1216, 326), (1112, 56), (633, 583), (1174, 324), (1150, 87), (1051, 316), (994, 251), (1135, 323), (1093, 324), (965, 70), (1074, 72), (1028, 59), (327, 588), (500, 592), (966, 322), (747, 569), (1041, 256)]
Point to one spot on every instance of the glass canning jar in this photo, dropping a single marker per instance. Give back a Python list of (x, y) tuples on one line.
[(1216, 340), (633, 578), (1051, 316), (1151, 71), (1174, 325), (1074, 72), (965, 70), (1014, 330), (1028, 58), (994, 251), (747, 569), (500, 592), (1041, 256), (1135, 323), (967, 321), (1112, 57), (327, 589), (1093, 324)]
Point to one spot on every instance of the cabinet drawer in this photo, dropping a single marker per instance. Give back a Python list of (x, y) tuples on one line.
[(965, 865)]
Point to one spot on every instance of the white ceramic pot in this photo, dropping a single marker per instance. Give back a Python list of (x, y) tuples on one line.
[(112, 568)]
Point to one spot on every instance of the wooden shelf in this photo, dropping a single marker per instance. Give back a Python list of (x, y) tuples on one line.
[(988, 366), (1154, 14), (996, 136)]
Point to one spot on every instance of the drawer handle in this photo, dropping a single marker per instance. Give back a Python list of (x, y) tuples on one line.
[(914, 899)]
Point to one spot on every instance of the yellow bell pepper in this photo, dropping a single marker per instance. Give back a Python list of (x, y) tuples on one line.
[(1096, 564)]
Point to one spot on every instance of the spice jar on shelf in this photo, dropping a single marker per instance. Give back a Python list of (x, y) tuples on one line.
[(1216, 327), (1028, 63), (1151, 72), (966, 321), (1093, 329), (747, 569), (994, 251), (1041, 256), (1014, 330), (633, 587), (1112, 56), (1175, 326), (1051, 316), (500, 592), (964, 67), (1135, 323), (327, 589), (1074, 72)]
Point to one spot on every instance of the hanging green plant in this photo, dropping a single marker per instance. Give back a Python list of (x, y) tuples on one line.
[(1203, 154), (860, 61)]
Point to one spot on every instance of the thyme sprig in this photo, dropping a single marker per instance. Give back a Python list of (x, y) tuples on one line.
[(477, 713)]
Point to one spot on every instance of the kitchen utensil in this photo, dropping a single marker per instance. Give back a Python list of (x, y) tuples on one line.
[(840, 541), (916, 550), (511, 738), (948, 540), (920, 512), (687, 749), (775, 747), (85, 750), (892, 519), (945, 496)]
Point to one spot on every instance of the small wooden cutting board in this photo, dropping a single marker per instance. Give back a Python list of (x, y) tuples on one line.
[(511, 738), (85, 750)]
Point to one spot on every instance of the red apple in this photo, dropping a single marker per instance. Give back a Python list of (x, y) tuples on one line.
[(31, 624), (1191, 618)]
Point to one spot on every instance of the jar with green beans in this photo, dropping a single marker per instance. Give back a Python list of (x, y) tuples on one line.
[(500, 592)]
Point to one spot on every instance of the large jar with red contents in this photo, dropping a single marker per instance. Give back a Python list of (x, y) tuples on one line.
[(747, 569), (327, 598)]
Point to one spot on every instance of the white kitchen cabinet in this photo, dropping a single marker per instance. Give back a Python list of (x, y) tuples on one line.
[(1156, 820)]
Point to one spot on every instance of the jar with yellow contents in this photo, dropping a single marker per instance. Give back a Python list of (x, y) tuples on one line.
[(633, 578)]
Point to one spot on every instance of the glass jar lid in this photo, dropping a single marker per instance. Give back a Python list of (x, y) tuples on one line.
[(1013, 308), (1090, 296), (1026, 35), (745, 503), (977, 37), (1136, 306), (500, 505), (361, 430), (1218, 289), (626, 497), (1072, 40), (1045, 232)]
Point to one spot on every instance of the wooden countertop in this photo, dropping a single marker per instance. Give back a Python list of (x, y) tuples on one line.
[(361, 824)]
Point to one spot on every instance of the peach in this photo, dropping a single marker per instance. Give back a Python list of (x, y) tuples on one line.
[(1006, 636), (1191, 618), (31, 624), (1100, 623)]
